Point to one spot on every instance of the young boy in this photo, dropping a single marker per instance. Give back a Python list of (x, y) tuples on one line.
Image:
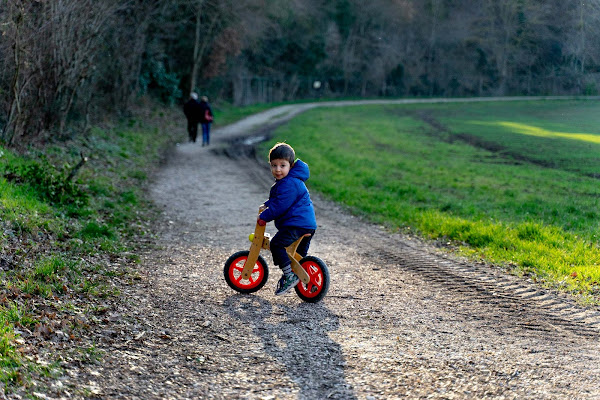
[(291, 208)]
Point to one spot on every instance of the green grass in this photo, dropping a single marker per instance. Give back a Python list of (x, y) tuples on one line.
[(512, 183), (59, 235), (226, 113)]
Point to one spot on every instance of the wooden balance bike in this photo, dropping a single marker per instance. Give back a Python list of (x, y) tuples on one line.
[(247, 271)]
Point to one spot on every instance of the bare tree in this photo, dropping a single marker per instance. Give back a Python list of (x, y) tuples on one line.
[(56, 46), (202, 39), (14, 22), (219, 29), (119, 65)]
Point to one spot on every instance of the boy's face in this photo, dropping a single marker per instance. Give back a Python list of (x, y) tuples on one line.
[(280, 168)]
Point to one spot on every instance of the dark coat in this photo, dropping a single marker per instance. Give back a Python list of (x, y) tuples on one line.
[(192, 110), (289, 203)]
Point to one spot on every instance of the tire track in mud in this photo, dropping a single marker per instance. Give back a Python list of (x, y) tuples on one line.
[(525, 304)]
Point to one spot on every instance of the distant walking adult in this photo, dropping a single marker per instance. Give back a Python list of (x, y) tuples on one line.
[(206, 118), (192, 112)]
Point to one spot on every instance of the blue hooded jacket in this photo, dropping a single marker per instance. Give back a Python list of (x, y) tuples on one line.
[(289, 203)]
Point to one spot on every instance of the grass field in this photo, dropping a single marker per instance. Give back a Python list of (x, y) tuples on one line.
[(514, 183)]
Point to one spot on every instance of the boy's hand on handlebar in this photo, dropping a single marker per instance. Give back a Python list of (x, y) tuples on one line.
[(261, 222)]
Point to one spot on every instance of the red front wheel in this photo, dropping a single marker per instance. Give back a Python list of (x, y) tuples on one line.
[(233, 273), (318, 272)]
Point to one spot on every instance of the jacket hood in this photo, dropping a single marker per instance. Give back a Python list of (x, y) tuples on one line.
[(299, 170)]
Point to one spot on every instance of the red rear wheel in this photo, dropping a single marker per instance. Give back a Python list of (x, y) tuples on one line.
[(233, 273), (318, 273)]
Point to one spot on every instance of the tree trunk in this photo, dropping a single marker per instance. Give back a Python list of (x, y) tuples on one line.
[(200, 44), (197, 58)]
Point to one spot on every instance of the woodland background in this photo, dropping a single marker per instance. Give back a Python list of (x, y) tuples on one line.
[(65, 64)]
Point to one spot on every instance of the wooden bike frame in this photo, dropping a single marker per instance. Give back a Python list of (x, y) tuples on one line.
[(260, 242)]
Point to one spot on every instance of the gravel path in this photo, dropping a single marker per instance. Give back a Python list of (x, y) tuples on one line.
[(401, 319)]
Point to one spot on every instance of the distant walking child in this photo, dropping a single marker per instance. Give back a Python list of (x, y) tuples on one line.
[(290, 206)]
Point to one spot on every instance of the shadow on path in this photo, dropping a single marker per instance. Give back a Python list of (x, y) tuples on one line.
[(296, 337)]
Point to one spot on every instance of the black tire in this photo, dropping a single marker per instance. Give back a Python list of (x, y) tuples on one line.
[(233, 271), (319, 276)]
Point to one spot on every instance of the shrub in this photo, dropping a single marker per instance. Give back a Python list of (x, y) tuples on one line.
[(52, 184)]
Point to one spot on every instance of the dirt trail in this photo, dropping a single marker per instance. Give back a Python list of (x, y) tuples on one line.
[(401, 320)]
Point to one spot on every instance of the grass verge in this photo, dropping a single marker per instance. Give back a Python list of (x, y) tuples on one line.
[(68, 229)]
